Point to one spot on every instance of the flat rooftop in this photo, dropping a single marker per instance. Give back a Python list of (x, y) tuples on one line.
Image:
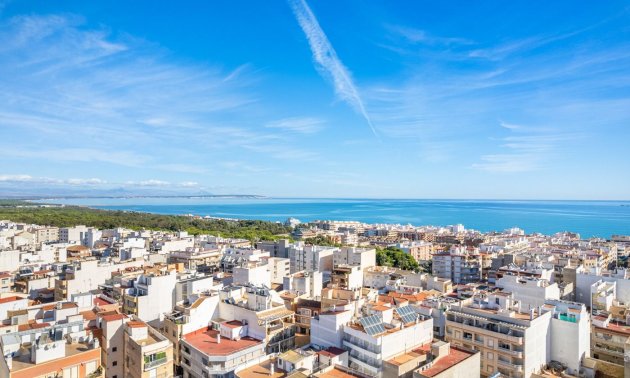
[(261, 370), (454, 357), (206, 341), (24, 360)]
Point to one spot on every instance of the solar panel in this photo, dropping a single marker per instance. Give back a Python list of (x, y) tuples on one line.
[(373, 325), (407, 314)]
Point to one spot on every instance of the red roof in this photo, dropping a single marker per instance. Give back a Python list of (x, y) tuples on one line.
[(112, 317), (233, 324), (205, 341), (10, 299), (332, 352), (25, 327), (101, 302), (454, 357)]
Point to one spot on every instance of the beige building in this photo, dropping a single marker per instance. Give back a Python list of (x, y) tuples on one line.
[(148, 354)]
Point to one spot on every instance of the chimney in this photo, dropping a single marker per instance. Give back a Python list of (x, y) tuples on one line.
[(59, 305), (272, 368), (219, 338)]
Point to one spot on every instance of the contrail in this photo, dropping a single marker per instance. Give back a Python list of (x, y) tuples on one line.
[(327, 62)]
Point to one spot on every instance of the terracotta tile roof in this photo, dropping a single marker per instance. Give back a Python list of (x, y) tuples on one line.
[(331, 352), (206, 341), (89, 315), (112, 317), (454, 357), (136, 324), (233, 324), (10, 299), (26, 327)]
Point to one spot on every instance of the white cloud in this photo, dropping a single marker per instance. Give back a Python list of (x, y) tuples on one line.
[(86, 182), (302, 125), (327, 60), (16, 178), (98, 97), (189, 184), (151, 182), (530, 150)]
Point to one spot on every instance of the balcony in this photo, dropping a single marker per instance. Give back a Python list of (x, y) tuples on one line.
[(160, 360), (513, 352), (517, 367), (504, 330), (603, 349)]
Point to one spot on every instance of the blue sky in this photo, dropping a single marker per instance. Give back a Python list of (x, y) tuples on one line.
[(379, 99)]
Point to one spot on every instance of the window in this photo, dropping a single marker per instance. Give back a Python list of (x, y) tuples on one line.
[(115, 349), (115, 363), (490, 356)]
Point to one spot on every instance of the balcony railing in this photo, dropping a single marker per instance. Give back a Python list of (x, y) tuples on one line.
[(151, 364)]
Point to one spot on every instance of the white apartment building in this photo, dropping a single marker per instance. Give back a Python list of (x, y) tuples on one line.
[(460, 266), (530, 291), (190, 284), (308, 284), (279, 268), (86, 275), (515, 342), (373, 340), (151, 296), (362, 257), (210, 352), (254, 273), (311, 257)]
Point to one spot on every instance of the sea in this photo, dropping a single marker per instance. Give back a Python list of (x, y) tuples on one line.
[(588, 218)]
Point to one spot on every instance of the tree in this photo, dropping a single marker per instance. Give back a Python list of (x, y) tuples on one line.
[(321, 240), (397, 258)]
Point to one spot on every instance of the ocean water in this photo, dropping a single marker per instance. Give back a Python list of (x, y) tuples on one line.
[(589, 218)]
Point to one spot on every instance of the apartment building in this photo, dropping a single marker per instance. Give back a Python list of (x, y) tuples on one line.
[(278, 268), (148, 354), (83, 276), (458, 265), (609, 339), (66, 350), (263, 311), (252, 272), (210, 352), (511, 342), (447, 361), (112, 327), (530, 291), (152, 294), (349, 277), (307, 284), (46, 234), (311, 257), (517, 342), (187, 317), (377, 338), (192, 283), (197, 259), (419, 250), (361, 257)]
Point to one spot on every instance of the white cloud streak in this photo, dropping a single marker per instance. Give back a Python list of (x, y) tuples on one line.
[(328, 63), (302, 125)]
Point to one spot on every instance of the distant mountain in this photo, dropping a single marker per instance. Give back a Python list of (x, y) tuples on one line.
[(30, 192)]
